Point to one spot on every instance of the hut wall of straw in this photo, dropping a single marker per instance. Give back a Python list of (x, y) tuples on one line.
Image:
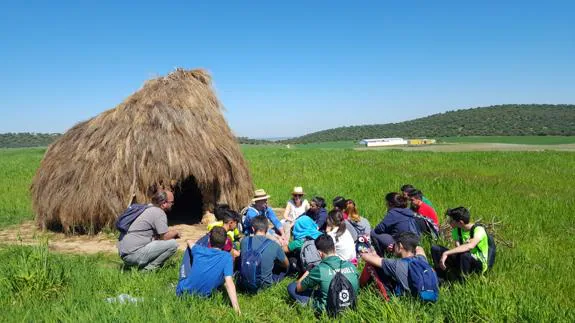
[(168, 131)]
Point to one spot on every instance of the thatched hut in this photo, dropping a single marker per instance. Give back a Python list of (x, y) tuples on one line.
[(169, 133)]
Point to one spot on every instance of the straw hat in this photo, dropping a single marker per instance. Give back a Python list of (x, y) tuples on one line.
[(260, 195), (298, 190)]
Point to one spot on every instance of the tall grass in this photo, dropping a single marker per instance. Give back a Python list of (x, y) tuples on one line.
[(531, 192)]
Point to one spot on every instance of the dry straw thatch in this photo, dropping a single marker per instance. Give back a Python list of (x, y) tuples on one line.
[(170, 131)]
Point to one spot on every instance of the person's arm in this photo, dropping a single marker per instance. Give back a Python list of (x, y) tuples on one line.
[(277, 224), (299, 288), (382, 226), (459, 249), (287, 212), (231, 289), (282, 258), (372, 258), (172, 234)]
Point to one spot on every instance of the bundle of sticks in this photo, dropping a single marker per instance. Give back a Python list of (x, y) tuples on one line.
[(493, 227)]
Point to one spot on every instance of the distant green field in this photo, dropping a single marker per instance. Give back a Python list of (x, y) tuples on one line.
[(529, 192), (525, 140)]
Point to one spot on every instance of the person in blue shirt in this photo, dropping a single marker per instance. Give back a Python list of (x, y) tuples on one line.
[(260, 207), (211, 268)]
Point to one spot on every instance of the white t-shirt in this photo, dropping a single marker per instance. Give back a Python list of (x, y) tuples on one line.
[(344, 246), (293, 212)]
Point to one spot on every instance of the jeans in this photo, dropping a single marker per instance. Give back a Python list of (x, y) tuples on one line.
[(380, 242), (458, 265), (153, 255), (302, 298)]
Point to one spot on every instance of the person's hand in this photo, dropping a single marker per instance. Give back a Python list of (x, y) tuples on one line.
[(390, 247), (442, 261)]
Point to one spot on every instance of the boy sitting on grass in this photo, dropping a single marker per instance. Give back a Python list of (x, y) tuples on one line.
[(211, 268), (469, 255), (314, 284), (394, 273)]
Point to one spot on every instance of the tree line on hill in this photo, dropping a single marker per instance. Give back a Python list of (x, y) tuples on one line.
[(27, 139), (498, 120)]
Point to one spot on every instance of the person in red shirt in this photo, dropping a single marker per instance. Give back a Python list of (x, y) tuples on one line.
[(418, 206)]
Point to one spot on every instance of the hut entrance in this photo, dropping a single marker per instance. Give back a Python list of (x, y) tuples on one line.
[(189, 205)]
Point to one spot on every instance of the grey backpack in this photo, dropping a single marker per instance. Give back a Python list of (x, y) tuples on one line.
[(309, 255)]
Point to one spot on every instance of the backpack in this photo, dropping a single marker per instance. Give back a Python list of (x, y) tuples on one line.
[(426, 225), (309, 256), (422, 280), (130, 215), (340, 295), (251, 266), (490, 242)]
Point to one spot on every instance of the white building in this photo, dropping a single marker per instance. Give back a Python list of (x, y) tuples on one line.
[(383, 142)]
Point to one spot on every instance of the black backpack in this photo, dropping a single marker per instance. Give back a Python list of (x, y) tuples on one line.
[(490, 242), (340, 295)]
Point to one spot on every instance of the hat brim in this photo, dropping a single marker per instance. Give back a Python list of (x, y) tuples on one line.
[(297, 193), (259, 198)]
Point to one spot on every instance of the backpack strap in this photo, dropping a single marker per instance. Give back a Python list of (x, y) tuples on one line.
[(263, 246), (472, 231), (460, 236)]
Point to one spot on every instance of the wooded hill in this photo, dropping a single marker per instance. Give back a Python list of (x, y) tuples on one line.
[(497, 120)]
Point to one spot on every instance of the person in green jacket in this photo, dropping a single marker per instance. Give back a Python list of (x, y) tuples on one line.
[(314, 284)]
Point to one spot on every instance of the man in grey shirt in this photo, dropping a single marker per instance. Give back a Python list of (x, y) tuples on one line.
[(394, 272), (148, 242)]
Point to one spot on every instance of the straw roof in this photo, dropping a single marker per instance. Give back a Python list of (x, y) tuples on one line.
[(169, 130)]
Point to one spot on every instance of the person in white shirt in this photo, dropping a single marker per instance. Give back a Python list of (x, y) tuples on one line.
[(297, 205), (337, 230)]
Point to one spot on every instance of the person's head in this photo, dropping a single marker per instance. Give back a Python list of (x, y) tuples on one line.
[(415, 197), (395, 200), (405, 188), (325, 245), (231, 219), (218, 237), (335, 220), (260, 224), (316, 204), (339, 203), (458, 217), (405, 244), (163, 199), (220, 211), (297, 195), (351, 210), (260, 200)]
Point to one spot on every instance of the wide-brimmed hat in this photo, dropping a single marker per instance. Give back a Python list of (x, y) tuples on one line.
[(260, 195), (298, 190)]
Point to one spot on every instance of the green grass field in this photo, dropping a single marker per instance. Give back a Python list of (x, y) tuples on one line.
[(524, 140), (530, 192)]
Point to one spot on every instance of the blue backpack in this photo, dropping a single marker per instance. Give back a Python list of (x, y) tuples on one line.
[(251, 267), (422, 280), (130, 215)]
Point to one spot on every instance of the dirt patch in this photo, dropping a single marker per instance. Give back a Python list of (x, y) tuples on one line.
[(477, 147), (29, 234)]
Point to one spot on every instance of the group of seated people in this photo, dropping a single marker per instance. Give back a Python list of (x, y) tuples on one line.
[(253, 249)]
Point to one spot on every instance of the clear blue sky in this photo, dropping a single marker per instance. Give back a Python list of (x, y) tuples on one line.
[(285, 68)]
